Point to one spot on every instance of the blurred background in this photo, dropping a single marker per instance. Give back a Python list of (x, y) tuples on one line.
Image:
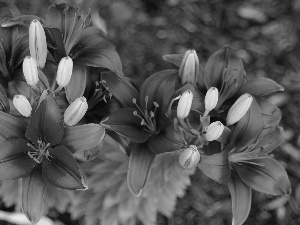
[(265, 33)]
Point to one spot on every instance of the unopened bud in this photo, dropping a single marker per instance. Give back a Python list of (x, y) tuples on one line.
[(189, 67), (211, 98), (190, 157), (214, 131), (30, 71), (64, 71), (239, 109), (37, 43), (184, 104), (22, 104), (75, 111)]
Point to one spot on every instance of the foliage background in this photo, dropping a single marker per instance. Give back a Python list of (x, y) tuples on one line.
[(266, 35)]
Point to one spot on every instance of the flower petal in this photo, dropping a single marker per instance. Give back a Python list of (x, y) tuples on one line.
[(14, 161), (62, 170), (241, 197), (267, 176), (125, 123), (55, 42), (11, 127), (122, 90), (84, 137), (19, 51), (33, 189), (54, 17), (140, 162), (272, 140), (216, 166), (4, 104), (46, 122)]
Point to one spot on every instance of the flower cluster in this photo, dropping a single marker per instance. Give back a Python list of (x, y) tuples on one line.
[(62, 90)]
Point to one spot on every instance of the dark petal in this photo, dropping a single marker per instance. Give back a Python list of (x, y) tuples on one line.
[(272, 140), (11, 127), (248, 129), (33, 189), (76, 86), (241, 197), (14, 160), (140, 162), (61, 170), (175, 59), (260, 86), (159, 88), (54, 17), (19, 51), (216, 166), (268, 176), (46, 122), (122, 90), (125, 123), (3, 62), (167, 140), (84, 137)]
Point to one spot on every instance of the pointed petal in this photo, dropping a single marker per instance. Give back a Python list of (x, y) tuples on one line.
[(271, 141), (159, 88), (260, 86), (248, 128), (268, 176), (55, 42), (4, 104), (62, 170), (46, 122), (14, 160), (216, 166), (11, 127), (122, 90), (33, 189), (140, 162), (24, 20), (84, 137), (241, 197), (76, 86), (54, 17), (125, 123), (19, 51)]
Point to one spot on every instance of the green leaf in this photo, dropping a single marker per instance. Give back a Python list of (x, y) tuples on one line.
[(14, 160), (84, 137), (260, 86), (11, 127), (140, 162), (241, 197), (62, 170), (33, 189), (125, 123), (122, 90), (175, 59), (76, 86), (46, 122), (265, 174), (216, 166)]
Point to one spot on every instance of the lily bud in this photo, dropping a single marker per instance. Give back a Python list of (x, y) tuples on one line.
[(22, 104), (75, 111), (30, 71), (211, 98), (37, 43), (189, 67), (239, 109), (184, 104), (64, 71), (214, 131), (190, 157)]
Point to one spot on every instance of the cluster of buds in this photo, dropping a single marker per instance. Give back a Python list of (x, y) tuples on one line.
[(184, 104), (22, 104), (75, 111), (190, 157)]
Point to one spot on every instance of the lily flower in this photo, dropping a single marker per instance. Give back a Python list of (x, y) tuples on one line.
[(41, 153)]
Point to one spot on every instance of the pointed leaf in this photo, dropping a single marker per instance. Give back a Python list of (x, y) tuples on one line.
[(11, 127), (140, 162), (122, 90), (62, 170), (260, 86), (76, 86), (84, 137), (175, 59), (241, 197), (125, 123), (14, 160), (33, 189), (46, 122), (216, 166), (265, 175)]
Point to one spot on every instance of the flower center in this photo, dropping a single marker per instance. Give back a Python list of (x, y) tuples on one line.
[(101, 94), (39, 151)]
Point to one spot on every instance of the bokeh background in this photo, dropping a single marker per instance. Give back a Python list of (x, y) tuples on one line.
[(265, 33)]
